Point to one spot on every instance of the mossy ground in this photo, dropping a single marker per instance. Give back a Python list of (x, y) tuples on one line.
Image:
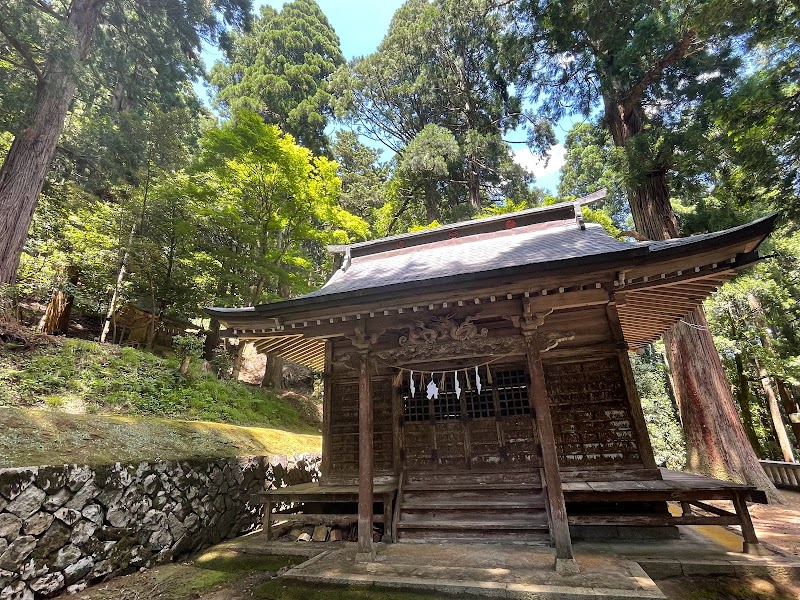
[(42, 437), (225, 574), (221, 574)]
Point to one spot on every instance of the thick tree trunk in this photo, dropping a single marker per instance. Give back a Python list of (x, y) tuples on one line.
[(56, 317), (715, 439), (273, 373), (716, 442), (238, 360), (28, 160)]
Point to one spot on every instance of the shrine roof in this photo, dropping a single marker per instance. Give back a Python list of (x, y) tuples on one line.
[(528, 242)]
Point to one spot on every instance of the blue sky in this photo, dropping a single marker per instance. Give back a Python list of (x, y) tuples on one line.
[(361, 25)]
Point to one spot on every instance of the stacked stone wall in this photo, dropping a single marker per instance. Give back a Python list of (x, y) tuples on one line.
[(64, 527)]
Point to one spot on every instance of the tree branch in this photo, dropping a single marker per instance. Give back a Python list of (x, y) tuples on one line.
[(27, 57), (45, 7), (678, 51)]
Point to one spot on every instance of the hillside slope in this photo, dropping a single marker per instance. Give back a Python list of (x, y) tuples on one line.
[(68, 400)]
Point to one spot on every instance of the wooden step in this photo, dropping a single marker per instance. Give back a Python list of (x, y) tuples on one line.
[(476, 525), (423, 503), (473, 478), (534, 516), (468, 486)]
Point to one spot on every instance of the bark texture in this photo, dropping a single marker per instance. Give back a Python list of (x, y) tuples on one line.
[(56, 317), (273, 373), (28, 160), (716, 443)]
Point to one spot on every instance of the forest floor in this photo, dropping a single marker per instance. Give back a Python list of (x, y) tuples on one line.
[(77, 401)]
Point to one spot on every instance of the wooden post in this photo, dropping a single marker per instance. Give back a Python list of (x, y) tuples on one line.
[(750, 545), (366, 552), (632, 393), (267, 521), (565, 561), (327, 455)]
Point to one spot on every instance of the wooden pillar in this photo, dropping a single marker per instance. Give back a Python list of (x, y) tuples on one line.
[(366, 552), (631, 392), (565, 561), (327, 388)]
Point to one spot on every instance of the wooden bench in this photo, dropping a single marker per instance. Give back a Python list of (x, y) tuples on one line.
[(674, 486), (314, 492)]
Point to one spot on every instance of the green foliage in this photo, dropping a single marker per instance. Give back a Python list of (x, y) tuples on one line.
[(279, 70), (129, 381), (660, 412), (268, 207), (433, 94), (187, 346)]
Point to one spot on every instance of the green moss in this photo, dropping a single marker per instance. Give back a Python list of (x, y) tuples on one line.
[(282, 589), (230, 561)]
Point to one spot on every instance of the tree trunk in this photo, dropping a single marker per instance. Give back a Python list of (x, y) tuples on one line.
[(474, 181), (56, 318), (238, 360), (716, 443), (790, 406), (112, 306), (744, 399), (775, 412), (28, 160), (273, 373), (212, 340)]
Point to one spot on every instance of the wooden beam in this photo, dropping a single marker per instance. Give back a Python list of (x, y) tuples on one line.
[(366, 552), (565, 560)]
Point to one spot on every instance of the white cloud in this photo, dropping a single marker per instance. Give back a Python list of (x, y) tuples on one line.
[(536, 164)]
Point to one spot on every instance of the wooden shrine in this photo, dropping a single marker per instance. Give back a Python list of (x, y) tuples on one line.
[(477, 374)]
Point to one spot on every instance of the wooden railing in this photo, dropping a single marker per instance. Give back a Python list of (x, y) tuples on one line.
[(783, 474)]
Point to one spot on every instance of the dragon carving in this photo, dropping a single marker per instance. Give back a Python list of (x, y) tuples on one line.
[(441, 329)]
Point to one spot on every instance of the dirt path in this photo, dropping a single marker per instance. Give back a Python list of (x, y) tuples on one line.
[(779, 525)]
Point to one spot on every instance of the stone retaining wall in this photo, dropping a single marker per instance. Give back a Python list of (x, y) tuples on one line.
[(63, 527)]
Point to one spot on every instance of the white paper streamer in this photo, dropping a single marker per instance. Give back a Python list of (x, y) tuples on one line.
[(477, 380), (411, 385), (457, 384), (433, 390)]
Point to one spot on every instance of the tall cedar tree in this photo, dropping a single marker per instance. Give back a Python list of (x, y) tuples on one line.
[(279, 70), (644, 62), (434, 94), (53, 42)]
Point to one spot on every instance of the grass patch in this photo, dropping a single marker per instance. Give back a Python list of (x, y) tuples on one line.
[(87, 377)]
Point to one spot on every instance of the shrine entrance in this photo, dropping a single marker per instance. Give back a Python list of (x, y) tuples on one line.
[(477, 419)]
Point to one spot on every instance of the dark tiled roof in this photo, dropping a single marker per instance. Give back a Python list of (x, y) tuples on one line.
[(460, 260), (538, 243)]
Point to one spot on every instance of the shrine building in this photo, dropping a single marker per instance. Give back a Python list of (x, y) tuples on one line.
[(477, 381)]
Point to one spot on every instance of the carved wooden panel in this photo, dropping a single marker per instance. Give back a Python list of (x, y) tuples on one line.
[(591, 418)]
